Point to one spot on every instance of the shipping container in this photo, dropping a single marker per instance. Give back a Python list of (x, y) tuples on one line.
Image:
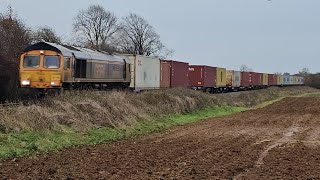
[(233, 78), (272, 79), (174, 74), (229, 76), (302, 79), (299, 80), (145, 72), (280, 80), (265, 79), (286, 79), (221, 77), (202, 76), (295, 80), (257, 79), (246, 80), (291, 80)]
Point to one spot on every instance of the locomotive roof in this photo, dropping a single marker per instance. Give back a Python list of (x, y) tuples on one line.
[(78, 52)]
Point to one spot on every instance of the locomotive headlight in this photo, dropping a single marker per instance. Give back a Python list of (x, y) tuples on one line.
[(54, 83), (25, 82)]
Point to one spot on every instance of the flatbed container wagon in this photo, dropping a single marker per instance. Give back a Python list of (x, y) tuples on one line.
[(174, 74), (207, 78)]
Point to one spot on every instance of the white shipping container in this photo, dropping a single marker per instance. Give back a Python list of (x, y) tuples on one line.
[(145, 72), (237, 79)]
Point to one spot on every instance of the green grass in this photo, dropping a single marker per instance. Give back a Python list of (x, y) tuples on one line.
[(30, 143)]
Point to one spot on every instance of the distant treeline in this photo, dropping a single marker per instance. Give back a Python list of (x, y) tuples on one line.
[(313, 80)]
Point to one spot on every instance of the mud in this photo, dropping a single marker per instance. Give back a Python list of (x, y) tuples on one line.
[(280, 141)]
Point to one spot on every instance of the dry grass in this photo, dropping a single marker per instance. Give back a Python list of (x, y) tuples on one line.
[(85, 110)]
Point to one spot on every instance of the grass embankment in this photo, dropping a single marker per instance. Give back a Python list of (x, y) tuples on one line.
[(27, 142), (316, 94), (86, 118)]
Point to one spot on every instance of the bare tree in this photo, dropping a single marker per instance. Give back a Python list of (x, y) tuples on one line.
[(46, 34), (245, 68), (96, 25), (14, 36), (304, 72), (137, 36)]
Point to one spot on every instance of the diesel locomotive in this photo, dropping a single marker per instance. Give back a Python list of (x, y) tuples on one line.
[(45, 66)]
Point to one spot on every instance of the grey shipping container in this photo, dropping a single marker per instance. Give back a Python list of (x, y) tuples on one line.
[(145, 72)]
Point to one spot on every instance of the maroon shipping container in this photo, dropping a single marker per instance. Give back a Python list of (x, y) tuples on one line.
[(257, 79), (202, 76), (246, 79), (272, 79), (174, 74), (249, 79)]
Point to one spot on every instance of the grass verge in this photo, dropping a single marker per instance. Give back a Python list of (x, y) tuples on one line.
[(29, 142)]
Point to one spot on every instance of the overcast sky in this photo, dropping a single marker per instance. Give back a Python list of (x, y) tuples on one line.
[(268, 36)]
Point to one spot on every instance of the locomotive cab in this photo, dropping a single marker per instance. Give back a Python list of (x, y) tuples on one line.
[(41, 69)]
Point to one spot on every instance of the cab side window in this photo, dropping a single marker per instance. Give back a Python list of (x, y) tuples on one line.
[(67, 63)]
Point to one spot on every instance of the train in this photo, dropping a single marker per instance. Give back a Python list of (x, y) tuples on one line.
[(48, 66)]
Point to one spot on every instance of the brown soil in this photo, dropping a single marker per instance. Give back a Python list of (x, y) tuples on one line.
[(280, 141)]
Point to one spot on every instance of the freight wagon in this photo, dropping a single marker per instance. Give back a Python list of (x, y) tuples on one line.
[(174, 74), (207, 78), (145, 72)]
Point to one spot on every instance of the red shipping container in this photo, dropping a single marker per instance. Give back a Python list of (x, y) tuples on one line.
[(202, 76), (246, 79), (174, 74), (272, 79), (256, 79), (249, 79)]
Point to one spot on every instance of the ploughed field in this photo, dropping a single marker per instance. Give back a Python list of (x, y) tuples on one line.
[(281, 141)]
